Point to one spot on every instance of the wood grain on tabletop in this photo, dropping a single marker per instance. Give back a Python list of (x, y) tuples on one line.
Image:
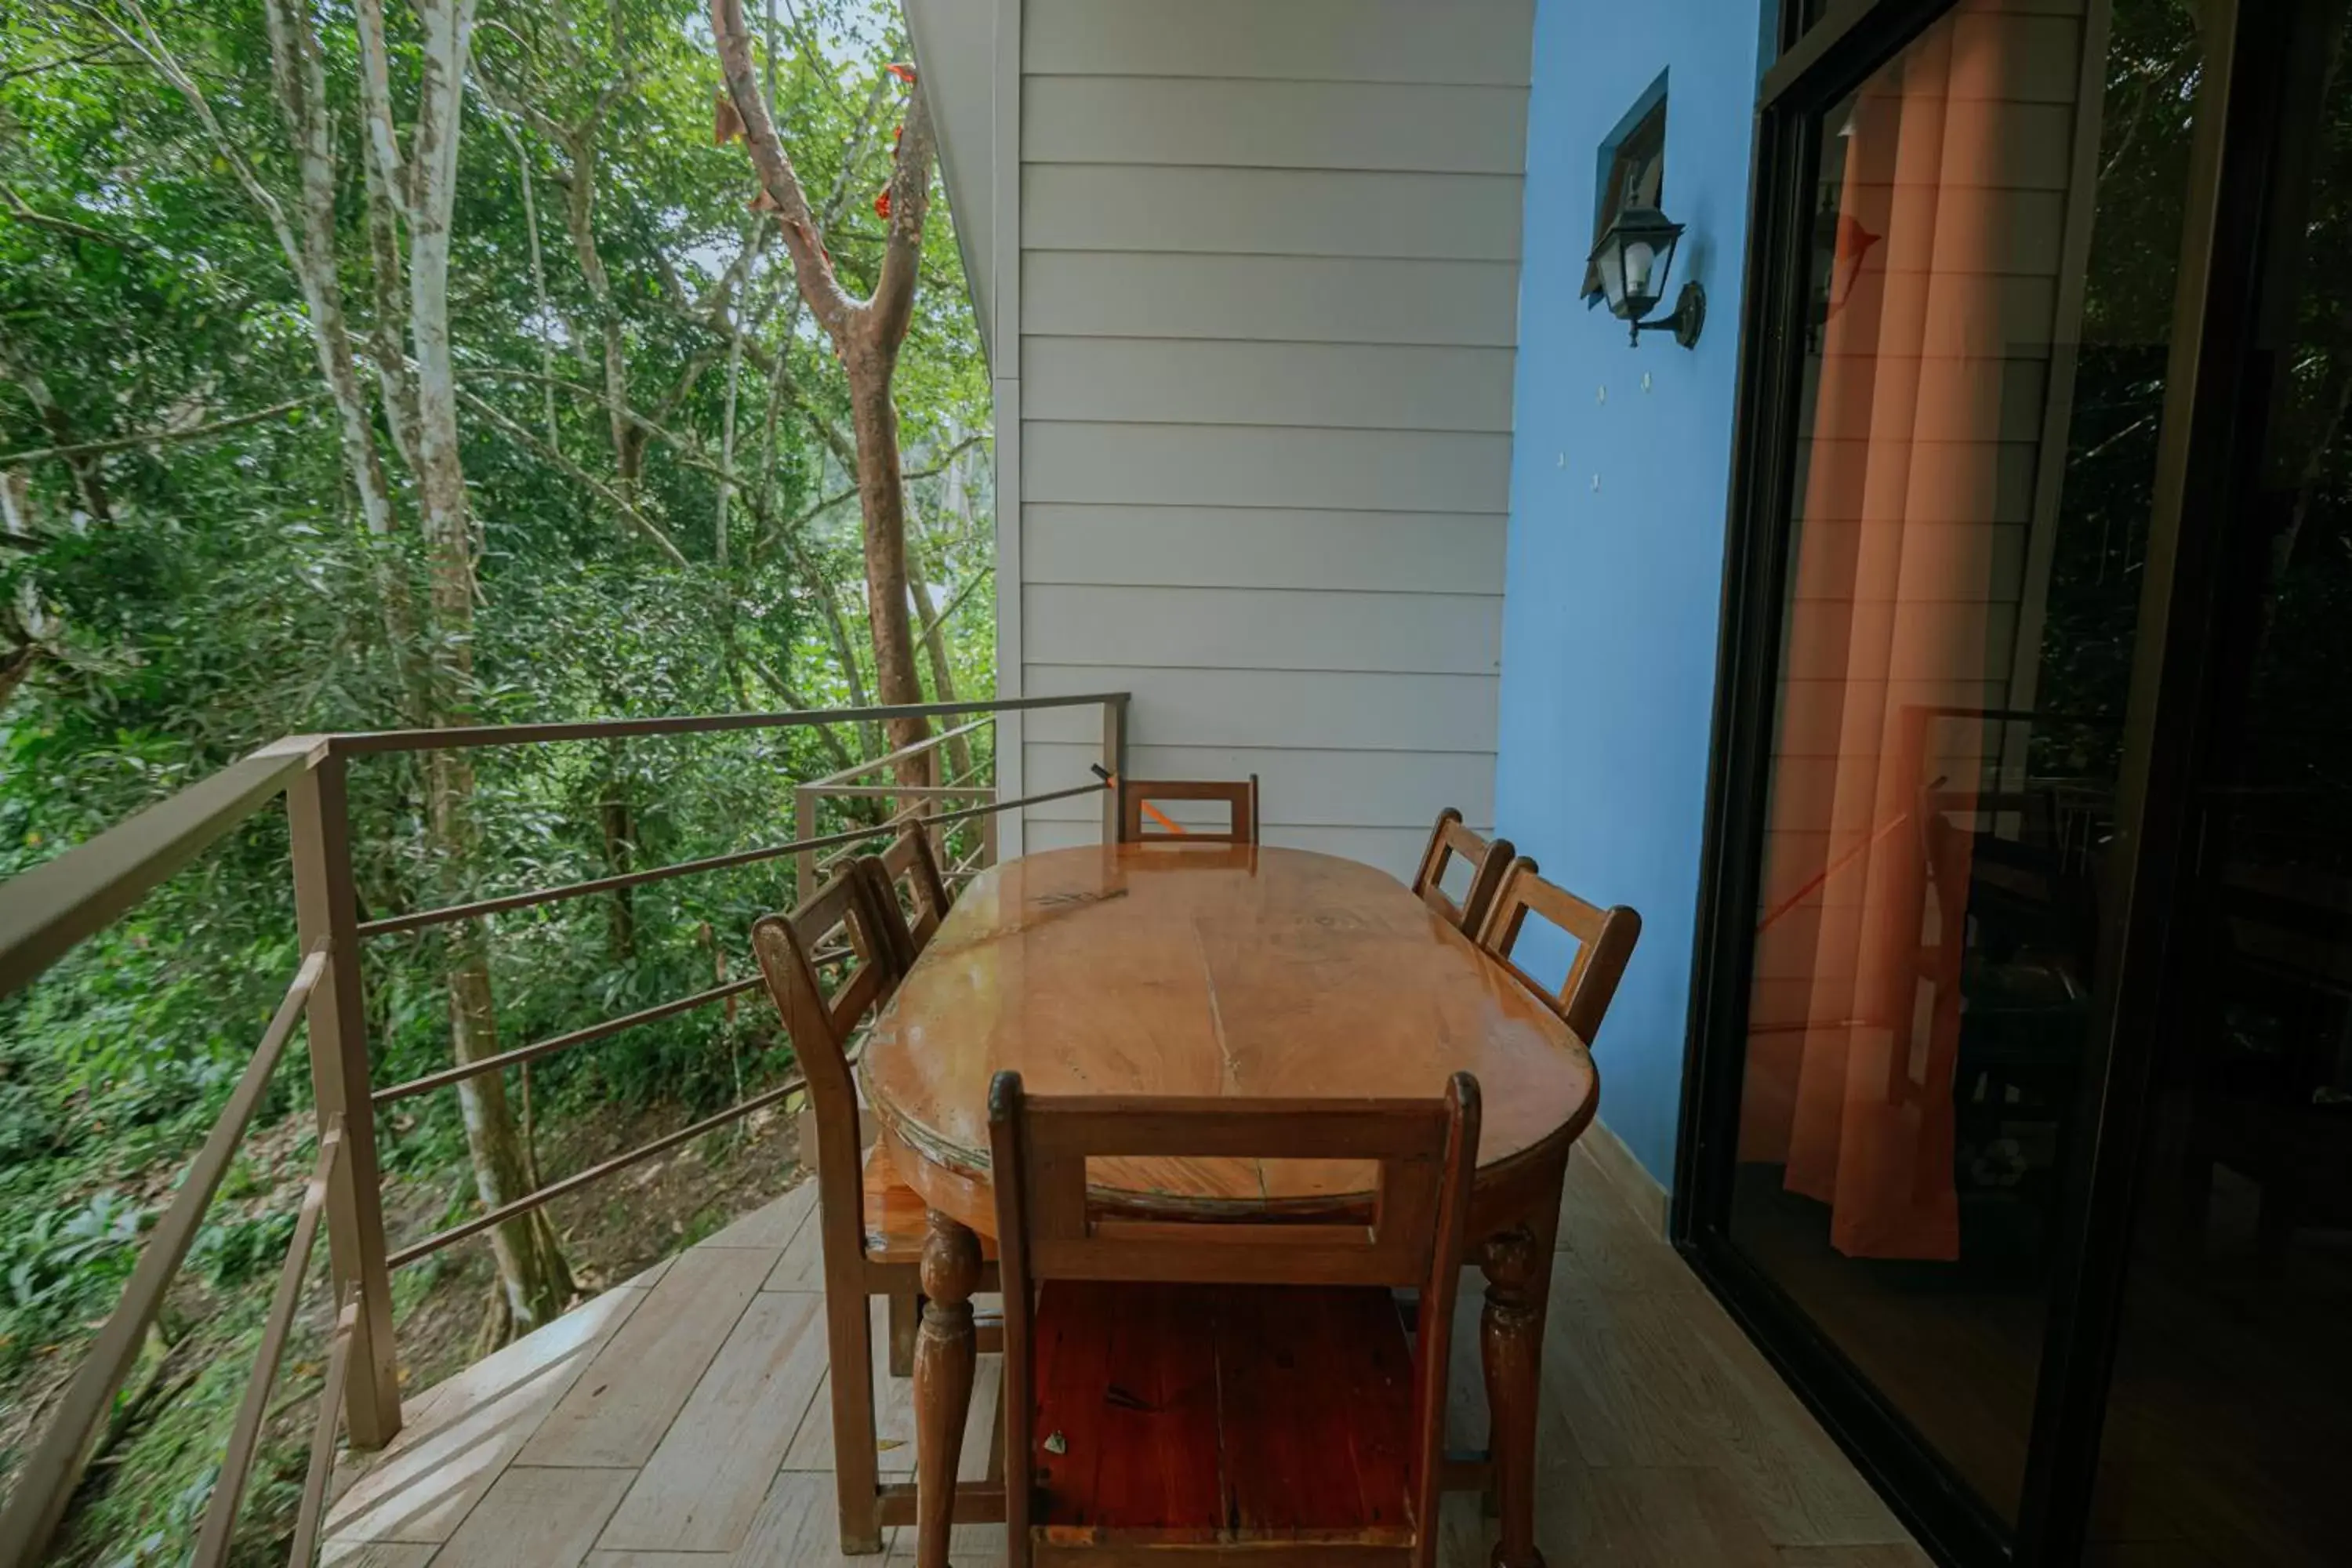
[(1155, 969)]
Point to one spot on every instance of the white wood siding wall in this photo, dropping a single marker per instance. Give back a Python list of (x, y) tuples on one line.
[(1268, 276)]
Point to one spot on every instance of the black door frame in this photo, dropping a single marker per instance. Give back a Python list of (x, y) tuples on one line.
[(2212, 391)]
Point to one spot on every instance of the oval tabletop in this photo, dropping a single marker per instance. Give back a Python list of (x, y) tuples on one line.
[(1156, 969)]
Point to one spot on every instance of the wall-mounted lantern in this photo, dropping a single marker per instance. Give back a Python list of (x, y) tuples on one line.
[(1633, 259)]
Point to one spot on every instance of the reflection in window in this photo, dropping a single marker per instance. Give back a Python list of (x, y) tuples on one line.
[(1991, 273)]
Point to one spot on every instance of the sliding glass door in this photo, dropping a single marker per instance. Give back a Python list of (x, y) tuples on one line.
[(2228, 1429), (2025, 1015), (1998, 217)]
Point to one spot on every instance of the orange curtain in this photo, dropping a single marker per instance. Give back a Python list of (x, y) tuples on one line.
[(1854, 1015)]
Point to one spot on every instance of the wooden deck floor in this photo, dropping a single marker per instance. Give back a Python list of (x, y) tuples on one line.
[(679, 1421)]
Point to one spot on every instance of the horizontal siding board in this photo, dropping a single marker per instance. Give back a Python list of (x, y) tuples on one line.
[(1274, 124), (1297, 298), (1286, 212), (1475, 41), (1395, 552), (1262, 628), (1192, 382), (1296, 788), (1307, 709), (1396, 850), (1209, 465), (1269, 282)]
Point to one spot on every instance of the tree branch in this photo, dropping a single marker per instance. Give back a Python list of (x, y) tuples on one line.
[(157, 437), (746, 114), (639, 519), (151, 48), (902, 255), (932, 626), (26, 214)]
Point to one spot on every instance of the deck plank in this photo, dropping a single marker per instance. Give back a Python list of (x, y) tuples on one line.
[(1796, 1482), (796, 1528), (654, 1418), (377, 1555), (894, 1411), (1652, 1518), (461, 1434), (703, 1486), (771, 1226), (616, 1413), (543, 1517), (1614, 1249), (801, 1266)]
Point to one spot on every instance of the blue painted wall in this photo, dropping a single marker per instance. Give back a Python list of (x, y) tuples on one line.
[(1618, 498)]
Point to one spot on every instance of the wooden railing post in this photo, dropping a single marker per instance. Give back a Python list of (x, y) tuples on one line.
[(1114, 758), (326, 911)]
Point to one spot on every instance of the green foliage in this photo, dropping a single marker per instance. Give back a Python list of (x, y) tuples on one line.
[(170, 604)]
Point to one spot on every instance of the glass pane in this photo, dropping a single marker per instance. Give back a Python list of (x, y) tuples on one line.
[(1991, 289), (2229, 1421)]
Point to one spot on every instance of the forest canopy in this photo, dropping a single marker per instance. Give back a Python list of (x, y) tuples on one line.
[(220, 524)]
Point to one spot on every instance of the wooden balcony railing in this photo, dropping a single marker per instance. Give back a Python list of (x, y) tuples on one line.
[(45, 912)]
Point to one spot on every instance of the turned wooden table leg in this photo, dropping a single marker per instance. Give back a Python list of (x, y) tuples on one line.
[(944, 1360), (1517, 1264)]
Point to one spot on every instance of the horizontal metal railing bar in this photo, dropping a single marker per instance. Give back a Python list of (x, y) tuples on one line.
[(236, 1460), (448, 913), (363, 744), (48, 910), (46, 1482), (553, 1190), (322, 1437), (912, 816), (581, 1036), (913, 749), (910, 792)]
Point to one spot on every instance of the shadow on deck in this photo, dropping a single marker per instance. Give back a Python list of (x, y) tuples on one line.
[(679, 1421)]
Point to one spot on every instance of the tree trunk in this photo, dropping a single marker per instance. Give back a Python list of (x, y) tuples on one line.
[(866, 334), (579, 218), (620, 845), (882, 499), (935, 652), (535, 1284)]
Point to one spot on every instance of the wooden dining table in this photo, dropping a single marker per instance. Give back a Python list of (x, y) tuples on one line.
[(1164, 969)]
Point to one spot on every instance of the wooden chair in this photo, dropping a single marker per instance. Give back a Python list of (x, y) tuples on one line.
[(1239, 798), (871, 1225), (911, 888), (1449, 840), (909, 898), (1604, 941), (1227, 1390)]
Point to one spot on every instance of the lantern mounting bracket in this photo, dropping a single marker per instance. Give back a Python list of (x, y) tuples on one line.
[(1689, 317)]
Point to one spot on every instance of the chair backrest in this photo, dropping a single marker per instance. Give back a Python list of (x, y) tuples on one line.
[(1604, 941), (1138, 823), (821, 1027), (1427, 1153), (910, 896), (1448, 841)]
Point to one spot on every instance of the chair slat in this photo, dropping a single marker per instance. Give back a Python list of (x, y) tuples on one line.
[(1488, 861), (1239, 798), (1427, 1151), (1604, 940)]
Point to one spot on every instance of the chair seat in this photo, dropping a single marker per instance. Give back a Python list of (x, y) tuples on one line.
[(1211, 1415), (896, 1219)]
